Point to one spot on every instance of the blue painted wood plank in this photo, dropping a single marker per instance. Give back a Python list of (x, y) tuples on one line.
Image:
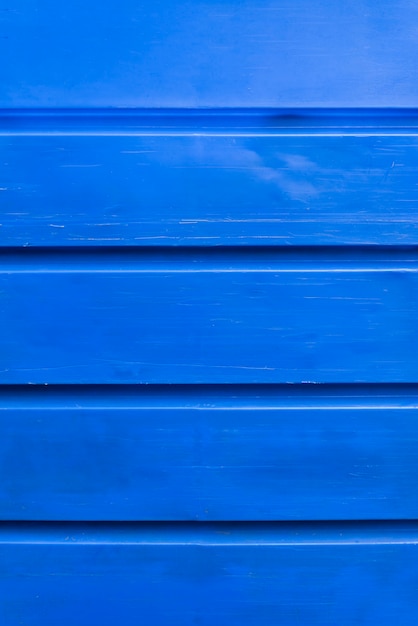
[(317, 575), (218, 454), (208, 179), (199, 53), (214, 316)]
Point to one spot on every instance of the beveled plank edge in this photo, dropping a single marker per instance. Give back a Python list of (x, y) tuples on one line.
[(212, 533), (222, 258), (212, 396), (209, 121)]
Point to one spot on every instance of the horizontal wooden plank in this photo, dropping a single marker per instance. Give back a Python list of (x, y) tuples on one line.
[(264, 179), (209, 454), (214, 316), (237, 577), (183, 53)]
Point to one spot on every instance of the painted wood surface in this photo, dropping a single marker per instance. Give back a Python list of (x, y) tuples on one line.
[(206, 208), (204, 453), (129, 178), (196, 53), (214, 316), (227, 575)]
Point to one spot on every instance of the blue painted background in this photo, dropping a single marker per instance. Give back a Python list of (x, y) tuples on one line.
[(208, 313)]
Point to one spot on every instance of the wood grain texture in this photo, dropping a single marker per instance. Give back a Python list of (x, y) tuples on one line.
[(265, 178), (208, 453), (317, 575), (198, 53), (214, 316)]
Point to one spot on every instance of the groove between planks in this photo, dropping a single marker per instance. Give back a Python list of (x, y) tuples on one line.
[(202, 259), (211, 396), (209, 122), (213, 533)]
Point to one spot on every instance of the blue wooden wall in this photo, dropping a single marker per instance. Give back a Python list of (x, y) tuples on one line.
[(208, 313)]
